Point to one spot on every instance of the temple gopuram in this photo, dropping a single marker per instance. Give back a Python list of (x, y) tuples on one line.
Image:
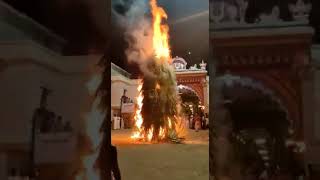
[(267, 66)]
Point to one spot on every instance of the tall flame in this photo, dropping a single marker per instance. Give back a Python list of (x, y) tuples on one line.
[(138, 116), (160, 32), (162, 52)]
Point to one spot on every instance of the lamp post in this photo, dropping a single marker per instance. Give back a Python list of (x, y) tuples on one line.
[(39, 111), (122, 100)]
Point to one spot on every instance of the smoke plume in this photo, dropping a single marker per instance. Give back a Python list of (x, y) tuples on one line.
[(133, 17), (160, 109)]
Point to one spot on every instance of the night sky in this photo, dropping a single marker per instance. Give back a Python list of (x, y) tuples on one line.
[(85, 24), (189, 31)]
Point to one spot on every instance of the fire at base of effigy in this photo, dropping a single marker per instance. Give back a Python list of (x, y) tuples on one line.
[(157, 118)]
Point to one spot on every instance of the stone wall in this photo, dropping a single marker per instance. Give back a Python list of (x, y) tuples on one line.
[(317, 105)]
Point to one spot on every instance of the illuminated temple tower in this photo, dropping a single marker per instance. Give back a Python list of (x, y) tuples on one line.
[(193, 79)]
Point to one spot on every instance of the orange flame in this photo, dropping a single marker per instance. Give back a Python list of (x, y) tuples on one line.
[(162, 52), (139, 133), (170, 123), (150, 134), (138, 116), (160, 32)]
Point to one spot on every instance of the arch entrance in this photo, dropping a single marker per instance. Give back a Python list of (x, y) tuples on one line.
[(190, 100), (265, 101), (194, 77), (258, 123), (276, 60)]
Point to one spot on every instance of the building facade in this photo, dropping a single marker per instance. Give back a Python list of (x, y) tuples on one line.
[(31, 57), (268, 60)]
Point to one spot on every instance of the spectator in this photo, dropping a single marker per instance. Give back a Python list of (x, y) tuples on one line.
[(207, 120), (191, 122), (203, 121), (197, 122)]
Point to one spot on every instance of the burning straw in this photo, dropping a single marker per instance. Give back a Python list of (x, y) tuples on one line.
[(157, 117)]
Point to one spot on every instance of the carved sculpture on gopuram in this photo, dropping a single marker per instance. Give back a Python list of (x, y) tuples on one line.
[(262, 61), (300, 11), (233, 13), (228, 11)]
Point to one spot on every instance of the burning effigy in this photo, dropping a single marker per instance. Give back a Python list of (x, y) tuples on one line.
[(157, 116)]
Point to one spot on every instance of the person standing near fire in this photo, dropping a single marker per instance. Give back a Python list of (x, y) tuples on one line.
[(197, 122)]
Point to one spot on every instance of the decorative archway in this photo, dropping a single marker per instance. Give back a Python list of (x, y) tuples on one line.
[(273, 58), (247, 82), (188, 90), (194, 77)]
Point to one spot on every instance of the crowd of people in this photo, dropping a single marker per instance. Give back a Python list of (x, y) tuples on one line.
[(199, 120)]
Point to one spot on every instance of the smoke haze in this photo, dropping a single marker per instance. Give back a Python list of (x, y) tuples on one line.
[(189, 29), (133, 18)]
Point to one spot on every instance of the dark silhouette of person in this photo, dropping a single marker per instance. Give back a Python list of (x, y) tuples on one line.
[(114, 163), (197, 121), (107, 161)]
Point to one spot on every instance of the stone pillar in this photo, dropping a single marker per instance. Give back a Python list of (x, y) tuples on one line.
[(3, 166), (308, 111), (211, 120), (220, 147), (206, 94)]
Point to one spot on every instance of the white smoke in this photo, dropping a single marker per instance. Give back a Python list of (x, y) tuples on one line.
[(138, 33)]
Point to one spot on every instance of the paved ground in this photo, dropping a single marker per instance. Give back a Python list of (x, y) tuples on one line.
[(189, 161)]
